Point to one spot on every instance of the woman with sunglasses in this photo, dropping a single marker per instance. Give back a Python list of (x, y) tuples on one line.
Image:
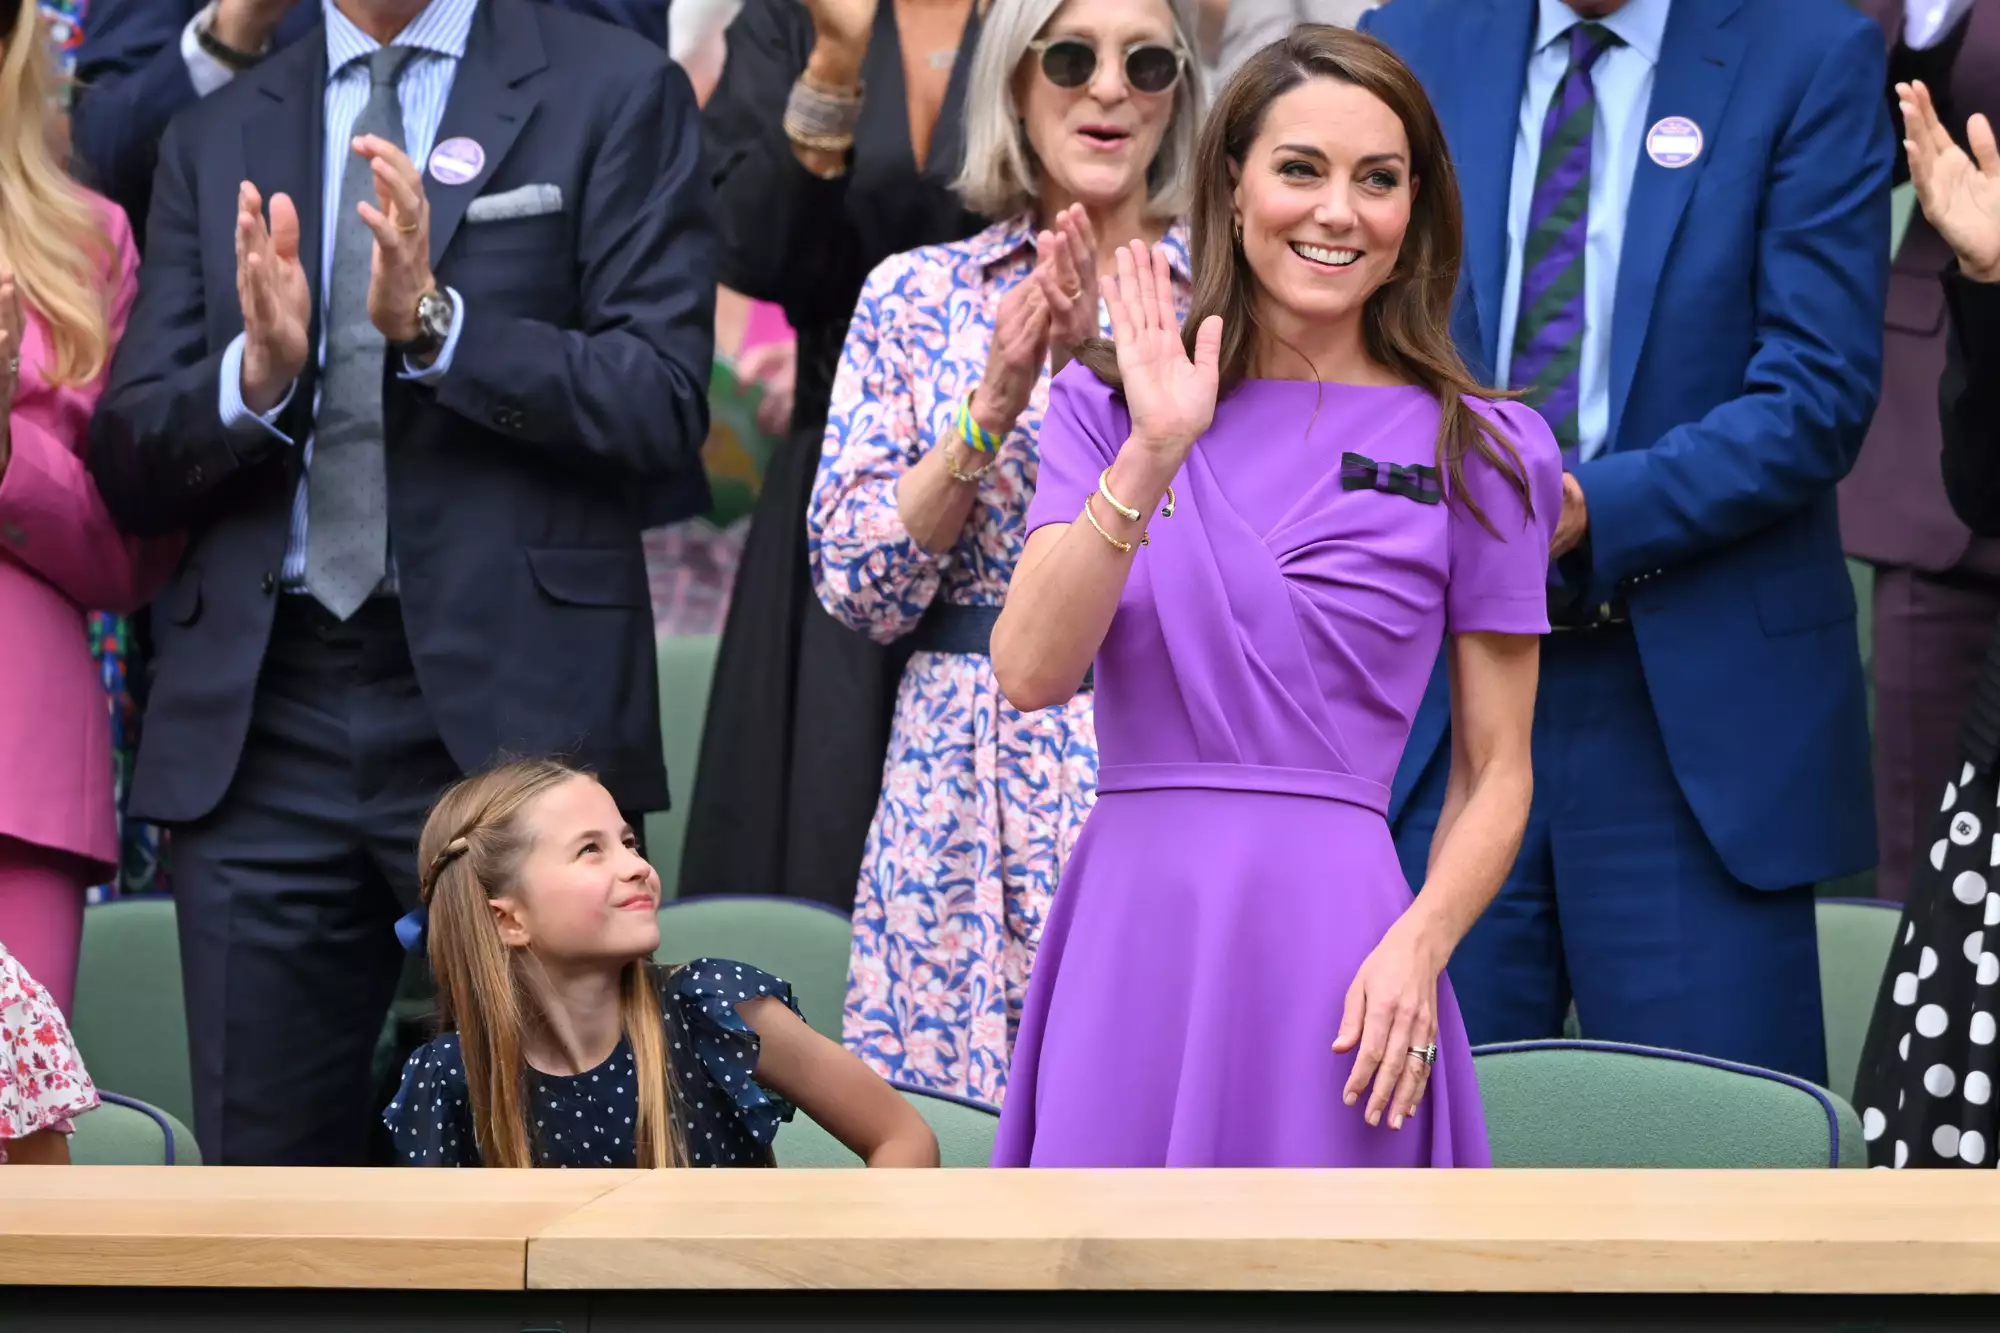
[(1079, 136)]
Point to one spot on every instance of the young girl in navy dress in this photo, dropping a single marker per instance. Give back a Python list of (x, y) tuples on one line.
[(564, 1045)]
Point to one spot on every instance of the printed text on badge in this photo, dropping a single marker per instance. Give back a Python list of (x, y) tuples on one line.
[(456, 161), (1674, 141)]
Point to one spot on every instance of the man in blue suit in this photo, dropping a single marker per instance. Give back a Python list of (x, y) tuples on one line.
[(1677, 242), (143, 60), (412, 426)]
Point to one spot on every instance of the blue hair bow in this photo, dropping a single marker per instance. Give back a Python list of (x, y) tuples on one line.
[(413, 929)]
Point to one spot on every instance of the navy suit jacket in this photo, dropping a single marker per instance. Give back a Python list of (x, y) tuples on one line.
[(131, 80), (518, 484), (1746, 358)]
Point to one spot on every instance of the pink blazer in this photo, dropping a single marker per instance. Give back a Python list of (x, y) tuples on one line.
[(61, 556)]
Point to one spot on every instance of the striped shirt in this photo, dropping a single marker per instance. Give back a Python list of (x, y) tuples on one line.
[(424, 87)]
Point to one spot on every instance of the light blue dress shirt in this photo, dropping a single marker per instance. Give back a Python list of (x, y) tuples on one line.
[(1623, 81), (423, 89)]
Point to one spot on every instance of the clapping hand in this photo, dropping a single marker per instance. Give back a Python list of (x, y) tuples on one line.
[(400, 217), (1066, 266), (1014, 363), (1171, 396), (1960, 194), (277, 303)]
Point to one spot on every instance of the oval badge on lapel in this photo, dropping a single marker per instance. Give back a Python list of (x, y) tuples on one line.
[(1674, 141), (456, 161)]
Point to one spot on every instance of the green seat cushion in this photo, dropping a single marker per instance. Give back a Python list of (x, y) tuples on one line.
[(1602, 1104), (130, 1018), (124, 1131)]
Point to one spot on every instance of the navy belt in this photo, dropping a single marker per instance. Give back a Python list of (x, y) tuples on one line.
[(967, 630)]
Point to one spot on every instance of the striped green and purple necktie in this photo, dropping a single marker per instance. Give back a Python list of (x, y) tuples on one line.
[(1548, 328)]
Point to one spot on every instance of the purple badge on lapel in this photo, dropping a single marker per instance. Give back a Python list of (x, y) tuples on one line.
[(1674, 141), (456, 161)]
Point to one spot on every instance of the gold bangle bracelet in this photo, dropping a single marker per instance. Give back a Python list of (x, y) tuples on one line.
[(819, 143), (967, 478), (1125, 511), (1124, 547)]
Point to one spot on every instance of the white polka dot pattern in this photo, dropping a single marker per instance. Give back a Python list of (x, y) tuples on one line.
[(730, 1118), (1925, 1088)]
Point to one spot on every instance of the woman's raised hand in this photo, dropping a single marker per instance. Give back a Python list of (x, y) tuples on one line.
[(1171, 396), (1066, 256), (1959, 193)]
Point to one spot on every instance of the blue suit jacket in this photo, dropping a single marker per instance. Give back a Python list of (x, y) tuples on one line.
[(1746, 357), (517, 484), (131, 81)]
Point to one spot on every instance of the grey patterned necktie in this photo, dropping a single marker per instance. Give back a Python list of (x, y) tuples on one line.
[(347, 521)]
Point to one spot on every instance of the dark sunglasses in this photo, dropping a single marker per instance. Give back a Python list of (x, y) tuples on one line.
[(1070, 62)]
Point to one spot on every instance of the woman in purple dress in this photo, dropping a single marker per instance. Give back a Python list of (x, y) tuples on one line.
[(1235, 972)]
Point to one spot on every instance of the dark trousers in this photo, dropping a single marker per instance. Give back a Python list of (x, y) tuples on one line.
[(1618, 900), (289, 891), (1931, 632)]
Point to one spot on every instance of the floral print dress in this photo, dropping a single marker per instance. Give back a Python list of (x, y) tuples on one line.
[(980, 804), (42, 1082)]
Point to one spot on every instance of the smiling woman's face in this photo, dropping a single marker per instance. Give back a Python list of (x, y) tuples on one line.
[(1323, 198), (1095, 141)]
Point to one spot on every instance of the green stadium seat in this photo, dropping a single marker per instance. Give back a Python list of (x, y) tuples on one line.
[(687, 666), (124, 1131), (1856, 936), (964, 1129), (1605, 1104), (130, 1018), (802, 942)]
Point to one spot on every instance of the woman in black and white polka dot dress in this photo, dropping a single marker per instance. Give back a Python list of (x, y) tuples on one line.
[(1926, 1087), (565, 1046)]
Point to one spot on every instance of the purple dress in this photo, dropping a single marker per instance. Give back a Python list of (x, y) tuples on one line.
[(1253, 698)]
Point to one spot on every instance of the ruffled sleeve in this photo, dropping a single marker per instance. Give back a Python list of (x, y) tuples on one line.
[(430, 1119), (42, 1081), (705, 993)]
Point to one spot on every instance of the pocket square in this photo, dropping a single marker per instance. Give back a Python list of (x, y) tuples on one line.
[(523, 201)]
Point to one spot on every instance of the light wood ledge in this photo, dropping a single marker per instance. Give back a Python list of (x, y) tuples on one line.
[(1495, 1231), (1805, 1232), (280, 1227)]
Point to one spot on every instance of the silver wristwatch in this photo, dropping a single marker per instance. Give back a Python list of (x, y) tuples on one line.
[(433, 325)]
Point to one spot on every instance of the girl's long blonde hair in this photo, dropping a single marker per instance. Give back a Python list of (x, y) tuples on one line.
[(52, 232), (471, 851)]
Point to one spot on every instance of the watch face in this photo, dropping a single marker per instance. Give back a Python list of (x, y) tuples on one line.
[(434, 314)]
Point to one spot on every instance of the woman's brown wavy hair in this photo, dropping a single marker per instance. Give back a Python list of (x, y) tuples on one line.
[(1406, 325)]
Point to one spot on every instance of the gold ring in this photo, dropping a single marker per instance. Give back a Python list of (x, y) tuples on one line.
[(407, 230), (1073, 295)]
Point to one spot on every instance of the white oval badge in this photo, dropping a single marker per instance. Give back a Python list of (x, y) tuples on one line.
[(1674, 141), (456, 161)]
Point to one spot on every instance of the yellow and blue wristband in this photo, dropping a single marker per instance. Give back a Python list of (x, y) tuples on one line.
[(975, 436)]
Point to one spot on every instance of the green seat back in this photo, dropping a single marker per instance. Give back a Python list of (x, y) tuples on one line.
[(964, 1130), (1855, 939), (1602, 1104), (124, 1131), (687, 666), (802, 942), (130, 1018)]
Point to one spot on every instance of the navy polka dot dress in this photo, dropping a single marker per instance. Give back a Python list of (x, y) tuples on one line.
[(591, 1119)]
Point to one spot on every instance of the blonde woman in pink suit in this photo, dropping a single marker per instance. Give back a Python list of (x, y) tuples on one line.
[(67, 268)]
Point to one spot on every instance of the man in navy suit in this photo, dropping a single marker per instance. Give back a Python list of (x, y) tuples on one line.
[(143, 60), (412, 426), (1677, 242)]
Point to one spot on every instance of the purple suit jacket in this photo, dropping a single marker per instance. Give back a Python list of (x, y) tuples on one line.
[(1892, 506)]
